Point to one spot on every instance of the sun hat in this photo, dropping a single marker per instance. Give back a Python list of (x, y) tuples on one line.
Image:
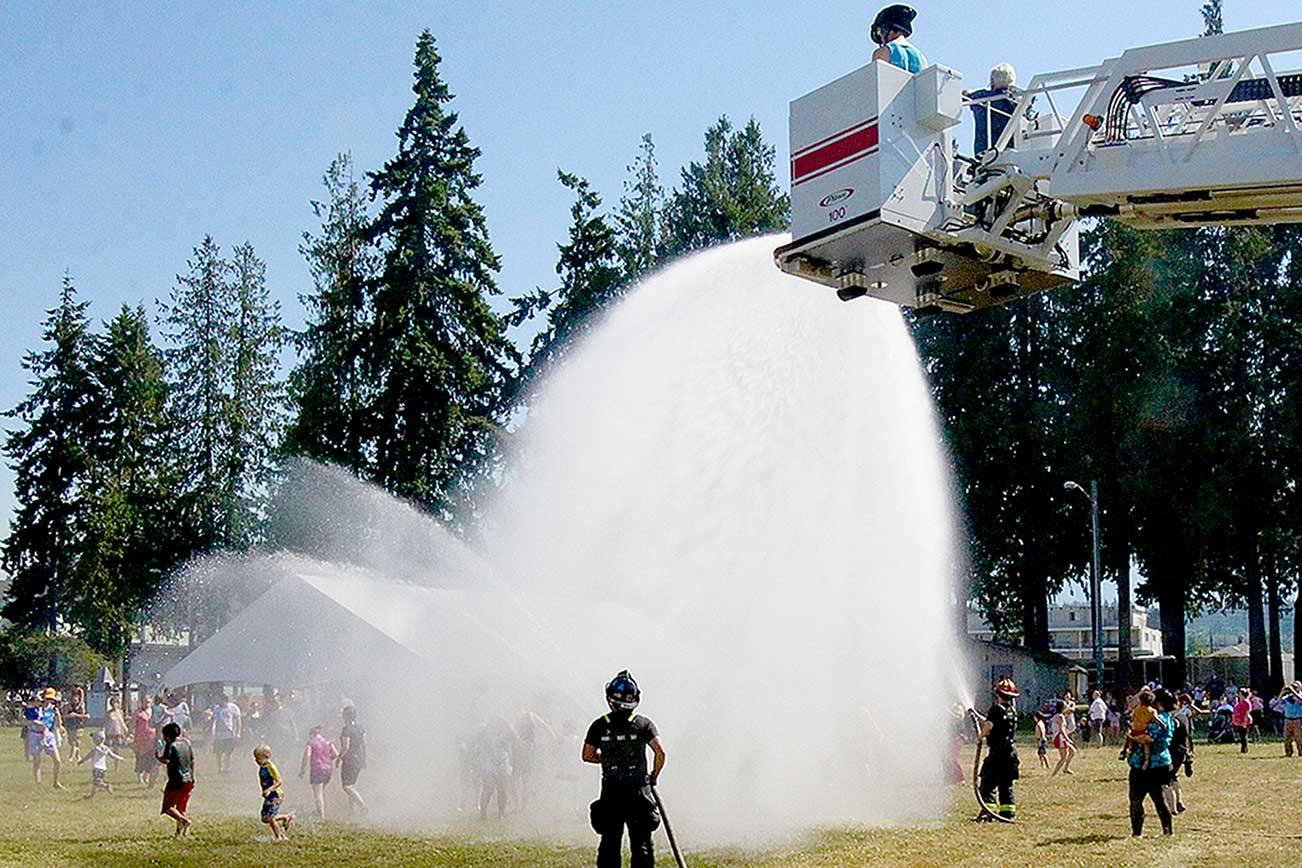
[(50, 693)]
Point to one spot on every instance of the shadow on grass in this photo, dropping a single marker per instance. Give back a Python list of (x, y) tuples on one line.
[(1080, 839)]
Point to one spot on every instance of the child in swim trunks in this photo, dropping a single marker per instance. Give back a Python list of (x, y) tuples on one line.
[(270, 782), (98, 756), (1042, 741)]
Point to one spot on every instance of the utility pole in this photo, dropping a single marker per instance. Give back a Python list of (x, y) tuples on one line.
[(1096, 588), (1096, 601)]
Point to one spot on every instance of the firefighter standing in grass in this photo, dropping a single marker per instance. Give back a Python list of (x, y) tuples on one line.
[(618, 742), (1000, 767)]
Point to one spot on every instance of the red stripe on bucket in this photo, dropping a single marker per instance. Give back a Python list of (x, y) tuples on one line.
[(834, 154)]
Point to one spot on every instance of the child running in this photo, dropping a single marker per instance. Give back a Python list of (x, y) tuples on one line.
[(178, 756), (1140, 718), (1041, 741), (269, 779), (99, 755), (320, 754)]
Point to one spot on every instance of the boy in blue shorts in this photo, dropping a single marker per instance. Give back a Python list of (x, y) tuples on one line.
[(269, 779)]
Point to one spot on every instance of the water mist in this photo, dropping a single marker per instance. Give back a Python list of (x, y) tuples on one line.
[(733, 487), (755, 466)]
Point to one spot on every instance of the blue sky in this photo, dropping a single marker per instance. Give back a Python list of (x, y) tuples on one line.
[(128, 131)]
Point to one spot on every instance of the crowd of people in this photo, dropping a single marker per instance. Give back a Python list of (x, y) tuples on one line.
[(501, 756), (1154, 726), (160, 736)]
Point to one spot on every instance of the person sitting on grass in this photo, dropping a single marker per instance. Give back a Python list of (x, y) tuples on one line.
[(270, 782), (1140, 718), (99, 755), (178, 756), (320, 754)]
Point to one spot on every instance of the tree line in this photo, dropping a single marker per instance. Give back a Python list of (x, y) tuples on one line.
[(143, 444), (1172, 374)]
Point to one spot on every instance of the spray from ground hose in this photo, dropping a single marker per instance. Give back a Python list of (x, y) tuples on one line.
[(985, 812)]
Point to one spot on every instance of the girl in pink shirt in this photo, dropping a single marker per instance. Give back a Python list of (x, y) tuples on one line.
[(1241, 719), (319, 755)]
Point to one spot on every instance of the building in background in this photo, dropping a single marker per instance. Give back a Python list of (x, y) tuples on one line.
[(1071, 632), (1039, 675)]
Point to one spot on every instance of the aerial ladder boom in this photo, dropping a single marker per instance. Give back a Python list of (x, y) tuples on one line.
[(1199, 132)]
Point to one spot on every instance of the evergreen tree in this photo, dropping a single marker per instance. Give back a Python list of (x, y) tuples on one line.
[(998, 378), (639, 220), (196, 323), (252, 414), (129, 536), (437, 353), (1213, 18), (1112, 353), (50, 458), (328, 388), (590, 279), (732, 195)]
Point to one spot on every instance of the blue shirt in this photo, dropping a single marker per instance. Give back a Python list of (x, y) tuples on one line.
[(1292, 708), (906, 57), (997, 112), (1159, 753)]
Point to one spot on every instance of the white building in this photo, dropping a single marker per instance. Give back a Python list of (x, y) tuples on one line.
[(1070, 631)]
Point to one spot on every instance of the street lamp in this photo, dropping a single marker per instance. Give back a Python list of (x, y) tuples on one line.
[(1096, 602)]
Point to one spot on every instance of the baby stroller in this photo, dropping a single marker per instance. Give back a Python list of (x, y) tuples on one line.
[(1219, 730)]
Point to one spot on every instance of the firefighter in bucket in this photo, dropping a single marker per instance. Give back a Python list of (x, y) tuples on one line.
[(618, 742)]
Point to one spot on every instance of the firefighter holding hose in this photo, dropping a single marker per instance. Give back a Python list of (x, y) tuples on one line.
[(1000, 768), (618, 742)]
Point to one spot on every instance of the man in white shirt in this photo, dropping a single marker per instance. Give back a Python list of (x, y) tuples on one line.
[(226, 730), (1098, 718)]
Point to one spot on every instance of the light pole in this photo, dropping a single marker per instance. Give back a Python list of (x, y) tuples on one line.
[(1096, 602)]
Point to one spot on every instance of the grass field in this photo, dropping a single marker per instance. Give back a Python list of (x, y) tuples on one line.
[(1242, 810)]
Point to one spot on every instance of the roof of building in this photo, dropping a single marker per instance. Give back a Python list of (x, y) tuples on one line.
[(1048, 658)]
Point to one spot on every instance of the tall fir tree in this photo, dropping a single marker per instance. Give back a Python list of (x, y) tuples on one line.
[(437, 354), (196, 322), (999, 382), (50, 457), (130, 536), (224, 337), (733, 194), (639, 221), (328, 388), (253, 412), (591, 278)]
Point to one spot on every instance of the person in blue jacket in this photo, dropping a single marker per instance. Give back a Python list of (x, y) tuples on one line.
[(891, 31)]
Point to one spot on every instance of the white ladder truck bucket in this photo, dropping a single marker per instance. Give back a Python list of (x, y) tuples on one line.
[(1198, 132)]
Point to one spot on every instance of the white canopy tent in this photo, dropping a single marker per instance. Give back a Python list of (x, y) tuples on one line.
[(321, 624)]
